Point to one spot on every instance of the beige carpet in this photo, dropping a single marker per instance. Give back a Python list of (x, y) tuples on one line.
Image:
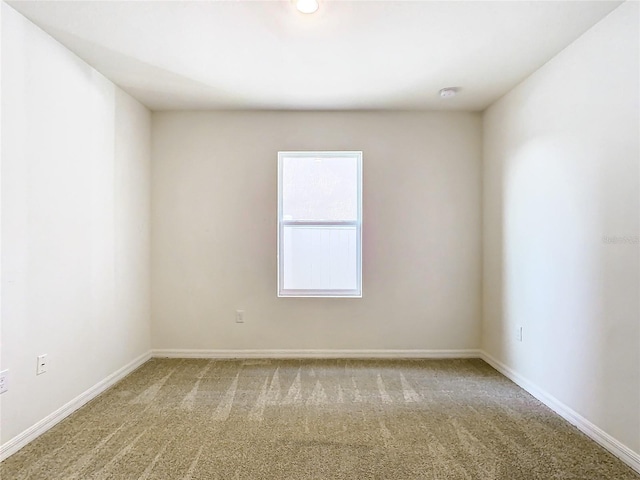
[(314, 419)]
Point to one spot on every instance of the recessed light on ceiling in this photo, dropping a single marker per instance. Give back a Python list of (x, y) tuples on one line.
[(307, 6), (449, 92)]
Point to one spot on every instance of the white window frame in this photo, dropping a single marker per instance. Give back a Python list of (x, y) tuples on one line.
[(350, 293)]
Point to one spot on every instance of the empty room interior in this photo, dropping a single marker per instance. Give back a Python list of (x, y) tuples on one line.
[(320, 240)]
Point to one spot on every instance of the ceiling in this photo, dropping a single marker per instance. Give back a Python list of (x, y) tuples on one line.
[(350, 55)]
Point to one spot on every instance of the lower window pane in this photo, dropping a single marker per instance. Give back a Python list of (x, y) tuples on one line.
[(320, 257)]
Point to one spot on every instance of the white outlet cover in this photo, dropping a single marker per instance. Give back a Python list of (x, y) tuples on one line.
[(4, 381), (42, 364)]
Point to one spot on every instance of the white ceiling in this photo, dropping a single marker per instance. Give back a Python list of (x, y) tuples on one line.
[(348, 55)]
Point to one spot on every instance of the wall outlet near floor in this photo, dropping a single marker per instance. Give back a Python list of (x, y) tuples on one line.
[(42, 364), (4, 381), (519, 333), (239, 316)]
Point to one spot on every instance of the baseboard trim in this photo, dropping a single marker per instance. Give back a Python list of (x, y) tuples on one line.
[(33, 432), (241, 354), (596, 434)]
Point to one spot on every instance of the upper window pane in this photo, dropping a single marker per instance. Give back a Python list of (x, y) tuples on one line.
[(319, 188)]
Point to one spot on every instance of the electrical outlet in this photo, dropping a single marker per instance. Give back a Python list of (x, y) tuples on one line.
[(42, 364), (519, 334), (4, 381), (239, 316)]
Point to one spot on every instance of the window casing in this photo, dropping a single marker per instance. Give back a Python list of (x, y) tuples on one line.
[(320, 224)]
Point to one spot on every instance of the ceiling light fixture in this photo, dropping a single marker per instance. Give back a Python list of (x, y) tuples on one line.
[(448, 92), (307, 6)]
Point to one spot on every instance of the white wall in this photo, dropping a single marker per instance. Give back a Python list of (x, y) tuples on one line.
[(75, 225), (214, 212), (561, 171)]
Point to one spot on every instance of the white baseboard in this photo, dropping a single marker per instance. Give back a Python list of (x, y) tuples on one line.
[(240, 354), (602, 438), (621, 451), (33, 432)]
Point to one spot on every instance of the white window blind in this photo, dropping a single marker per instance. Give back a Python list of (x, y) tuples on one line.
[(320, 224)]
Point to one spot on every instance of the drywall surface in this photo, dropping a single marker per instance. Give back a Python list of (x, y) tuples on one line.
[(214, 231), (75, 225), (561, 225)]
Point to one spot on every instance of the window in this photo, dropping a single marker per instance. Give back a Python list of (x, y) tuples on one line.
[(320, 224)]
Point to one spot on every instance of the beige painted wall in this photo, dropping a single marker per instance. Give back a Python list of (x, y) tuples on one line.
[(214, 192), (75, 225), (561, 173)]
